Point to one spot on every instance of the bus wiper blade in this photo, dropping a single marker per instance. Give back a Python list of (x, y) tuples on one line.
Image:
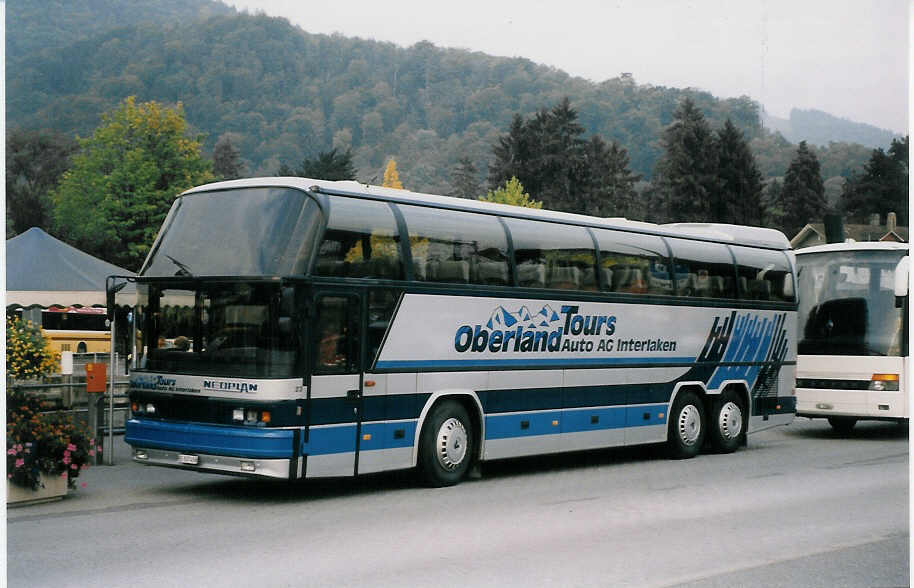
[(183, 270)]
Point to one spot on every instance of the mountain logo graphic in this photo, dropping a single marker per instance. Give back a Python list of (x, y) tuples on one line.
[(502, 318)]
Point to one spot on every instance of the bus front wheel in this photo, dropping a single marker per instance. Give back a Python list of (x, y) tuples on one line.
[(728, 422), (842, 425), (446, 444), (686, 426)]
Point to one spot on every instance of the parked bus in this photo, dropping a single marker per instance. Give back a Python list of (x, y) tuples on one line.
[(322, 328), (853, 339), (80, 329)]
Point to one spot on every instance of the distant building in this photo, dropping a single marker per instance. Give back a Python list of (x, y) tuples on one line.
[(814, 233)]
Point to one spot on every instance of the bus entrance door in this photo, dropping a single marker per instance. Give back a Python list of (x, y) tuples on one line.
[(335, 393)]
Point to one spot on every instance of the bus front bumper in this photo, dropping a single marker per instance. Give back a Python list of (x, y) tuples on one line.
[(262, 453)]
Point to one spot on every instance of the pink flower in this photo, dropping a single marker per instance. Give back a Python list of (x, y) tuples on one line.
[(20, 462), (71, 447), (11, 451), (91, 453), (66, 459), (73, 466), (63, 475), (84, 484)]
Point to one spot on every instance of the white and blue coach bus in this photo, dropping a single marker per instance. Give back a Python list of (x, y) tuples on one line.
[(295, 328)]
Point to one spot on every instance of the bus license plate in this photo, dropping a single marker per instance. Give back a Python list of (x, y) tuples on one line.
[(189, 459)]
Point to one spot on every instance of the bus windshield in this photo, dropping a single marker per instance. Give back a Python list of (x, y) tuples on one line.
[(225, 329), (239, 232), (847, 303)]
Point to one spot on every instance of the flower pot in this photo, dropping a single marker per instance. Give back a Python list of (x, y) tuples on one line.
[(54, 488)]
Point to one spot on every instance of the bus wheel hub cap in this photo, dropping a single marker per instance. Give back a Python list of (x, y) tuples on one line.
[(451, 443), (689, 424), (730, 421)]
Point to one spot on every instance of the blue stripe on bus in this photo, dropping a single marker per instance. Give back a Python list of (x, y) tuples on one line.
[(540, 362), (341, 439), (577, 421), (210, 439)]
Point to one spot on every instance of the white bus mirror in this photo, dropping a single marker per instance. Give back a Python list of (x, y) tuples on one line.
[(901, 282), (788, 287), (901, 277)]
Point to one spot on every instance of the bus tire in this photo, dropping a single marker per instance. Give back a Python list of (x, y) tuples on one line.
[(446, 444), (728, 422), (686, 428), (842, 425)]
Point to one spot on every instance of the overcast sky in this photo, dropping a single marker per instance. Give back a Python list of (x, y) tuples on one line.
[(846, 57)]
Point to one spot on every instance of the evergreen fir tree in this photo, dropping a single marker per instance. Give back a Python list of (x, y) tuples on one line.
[(329, 165), (882, 187), (804, 191), (465, 179), (739, 197), (686, 175), (227, 162)]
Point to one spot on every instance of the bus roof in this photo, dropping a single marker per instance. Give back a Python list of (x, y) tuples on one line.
[(855, 246), (724, 233)]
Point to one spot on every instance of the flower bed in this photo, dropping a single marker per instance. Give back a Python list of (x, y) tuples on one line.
[(38, 443)]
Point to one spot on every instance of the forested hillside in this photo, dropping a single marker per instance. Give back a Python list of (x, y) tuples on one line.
[(282, 95), (821, 128)]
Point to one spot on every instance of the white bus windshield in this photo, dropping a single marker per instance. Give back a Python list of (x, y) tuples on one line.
[(847, 303)]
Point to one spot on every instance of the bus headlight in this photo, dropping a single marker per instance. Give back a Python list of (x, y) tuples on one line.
[(884, 383)]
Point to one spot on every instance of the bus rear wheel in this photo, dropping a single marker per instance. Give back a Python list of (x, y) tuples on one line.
[(728, 422), (842, 425), (686, 426), (446, 444)]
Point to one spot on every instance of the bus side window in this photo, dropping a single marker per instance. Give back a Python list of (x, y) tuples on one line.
[(632, 263), (337, 345), (551, 255), (763, 275), (381, 306), (703, 270), (456, 247), (360, 241)]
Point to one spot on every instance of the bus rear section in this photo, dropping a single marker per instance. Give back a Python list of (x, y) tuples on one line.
[(853, 322)]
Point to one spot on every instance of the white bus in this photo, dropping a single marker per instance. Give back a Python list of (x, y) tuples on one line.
[(853, 338), (336, 329)]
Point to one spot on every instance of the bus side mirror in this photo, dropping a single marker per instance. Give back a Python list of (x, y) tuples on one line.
[(788, 287), (111, 290), (901, 281)]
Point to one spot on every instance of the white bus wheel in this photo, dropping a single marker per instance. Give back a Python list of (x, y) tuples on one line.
[(446, 444), (686, 426), (727, 422)]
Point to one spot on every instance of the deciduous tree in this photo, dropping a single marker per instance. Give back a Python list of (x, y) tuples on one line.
[(512, 193), (35, 162), (391, 177), (113, 199)]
